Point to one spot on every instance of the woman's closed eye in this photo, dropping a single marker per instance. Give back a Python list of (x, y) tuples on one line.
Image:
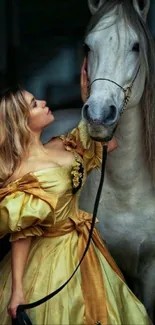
[(34, 104)]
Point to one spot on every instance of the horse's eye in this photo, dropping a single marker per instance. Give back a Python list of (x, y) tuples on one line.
[(86, 49), (135, 47)]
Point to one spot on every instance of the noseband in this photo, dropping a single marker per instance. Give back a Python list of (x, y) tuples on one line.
[(127, 91)]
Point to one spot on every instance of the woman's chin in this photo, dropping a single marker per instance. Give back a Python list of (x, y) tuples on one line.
[(51, 118)]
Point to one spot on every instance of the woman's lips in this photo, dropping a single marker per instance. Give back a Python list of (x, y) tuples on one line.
[(49, 111)]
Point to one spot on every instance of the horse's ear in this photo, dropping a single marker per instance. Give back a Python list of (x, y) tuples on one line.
[(94, 5), (142, 7)]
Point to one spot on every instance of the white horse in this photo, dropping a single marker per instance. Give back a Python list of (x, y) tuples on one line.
[(121, 54)]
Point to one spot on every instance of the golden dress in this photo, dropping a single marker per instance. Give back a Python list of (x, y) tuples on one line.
[(44, 204)]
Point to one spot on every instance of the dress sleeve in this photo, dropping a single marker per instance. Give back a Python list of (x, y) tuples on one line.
[(90, 150), (22, 215)]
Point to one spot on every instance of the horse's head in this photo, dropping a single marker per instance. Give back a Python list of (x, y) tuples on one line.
[(116, 49)]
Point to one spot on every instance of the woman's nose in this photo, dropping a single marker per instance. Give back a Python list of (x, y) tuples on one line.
[(44, 103)]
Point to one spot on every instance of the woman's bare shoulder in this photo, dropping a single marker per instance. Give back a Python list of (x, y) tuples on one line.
[(54, 143)]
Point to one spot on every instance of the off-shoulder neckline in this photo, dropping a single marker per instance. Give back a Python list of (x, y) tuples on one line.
[(33, 173)]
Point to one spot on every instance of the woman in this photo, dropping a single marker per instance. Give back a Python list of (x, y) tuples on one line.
[(40, 187)]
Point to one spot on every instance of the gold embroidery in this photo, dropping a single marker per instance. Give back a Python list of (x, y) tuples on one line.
[(72, 144), (77, 175)]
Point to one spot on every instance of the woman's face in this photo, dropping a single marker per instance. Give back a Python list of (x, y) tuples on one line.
[(40, 114)]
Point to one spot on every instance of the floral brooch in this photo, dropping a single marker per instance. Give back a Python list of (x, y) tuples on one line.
[(77, 174)]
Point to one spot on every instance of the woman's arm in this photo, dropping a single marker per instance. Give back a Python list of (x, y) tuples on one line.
[(19, 254)]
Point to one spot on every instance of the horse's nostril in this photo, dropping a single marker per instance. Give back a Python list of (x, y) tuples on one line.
[(107, 117), (85, 111), (86, 106), (111, 115)]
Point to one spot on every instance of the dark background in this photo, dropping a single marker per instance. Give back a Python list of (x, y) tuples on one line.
[(41, 47)]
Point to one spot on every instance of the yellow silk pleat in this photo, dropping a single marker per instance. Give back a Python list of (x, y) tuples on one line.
[(92, 278)]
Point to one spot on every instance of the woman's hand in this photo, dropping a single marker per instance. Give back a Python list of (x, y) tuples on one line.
[(112, 144), (17, 298), (84, 81), (19, 254)]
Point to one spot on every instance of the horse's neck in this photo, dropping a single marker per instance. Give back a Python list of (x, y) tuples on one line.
[(126, 166)]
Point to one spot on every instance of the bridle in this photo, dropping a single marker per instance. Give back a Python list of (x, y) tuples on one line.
[(127, 91)]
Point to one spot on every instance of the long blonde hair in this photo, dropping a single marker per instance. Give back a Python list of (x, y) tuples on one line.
[(15, 134)]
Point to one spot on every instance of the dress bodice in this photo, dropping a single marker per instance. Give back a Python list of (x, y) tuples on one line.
[(44, 197)]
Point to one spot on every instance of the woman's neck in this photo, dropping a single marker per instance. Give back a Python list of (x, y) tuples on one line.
[(36, 148)]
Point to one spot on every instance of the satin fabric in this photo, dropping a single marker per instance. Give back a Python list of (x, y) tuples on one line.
[(42, 205)]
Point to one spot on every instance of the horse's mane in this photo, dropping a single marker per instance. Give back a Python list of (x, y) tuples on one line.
[(147, 46)]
